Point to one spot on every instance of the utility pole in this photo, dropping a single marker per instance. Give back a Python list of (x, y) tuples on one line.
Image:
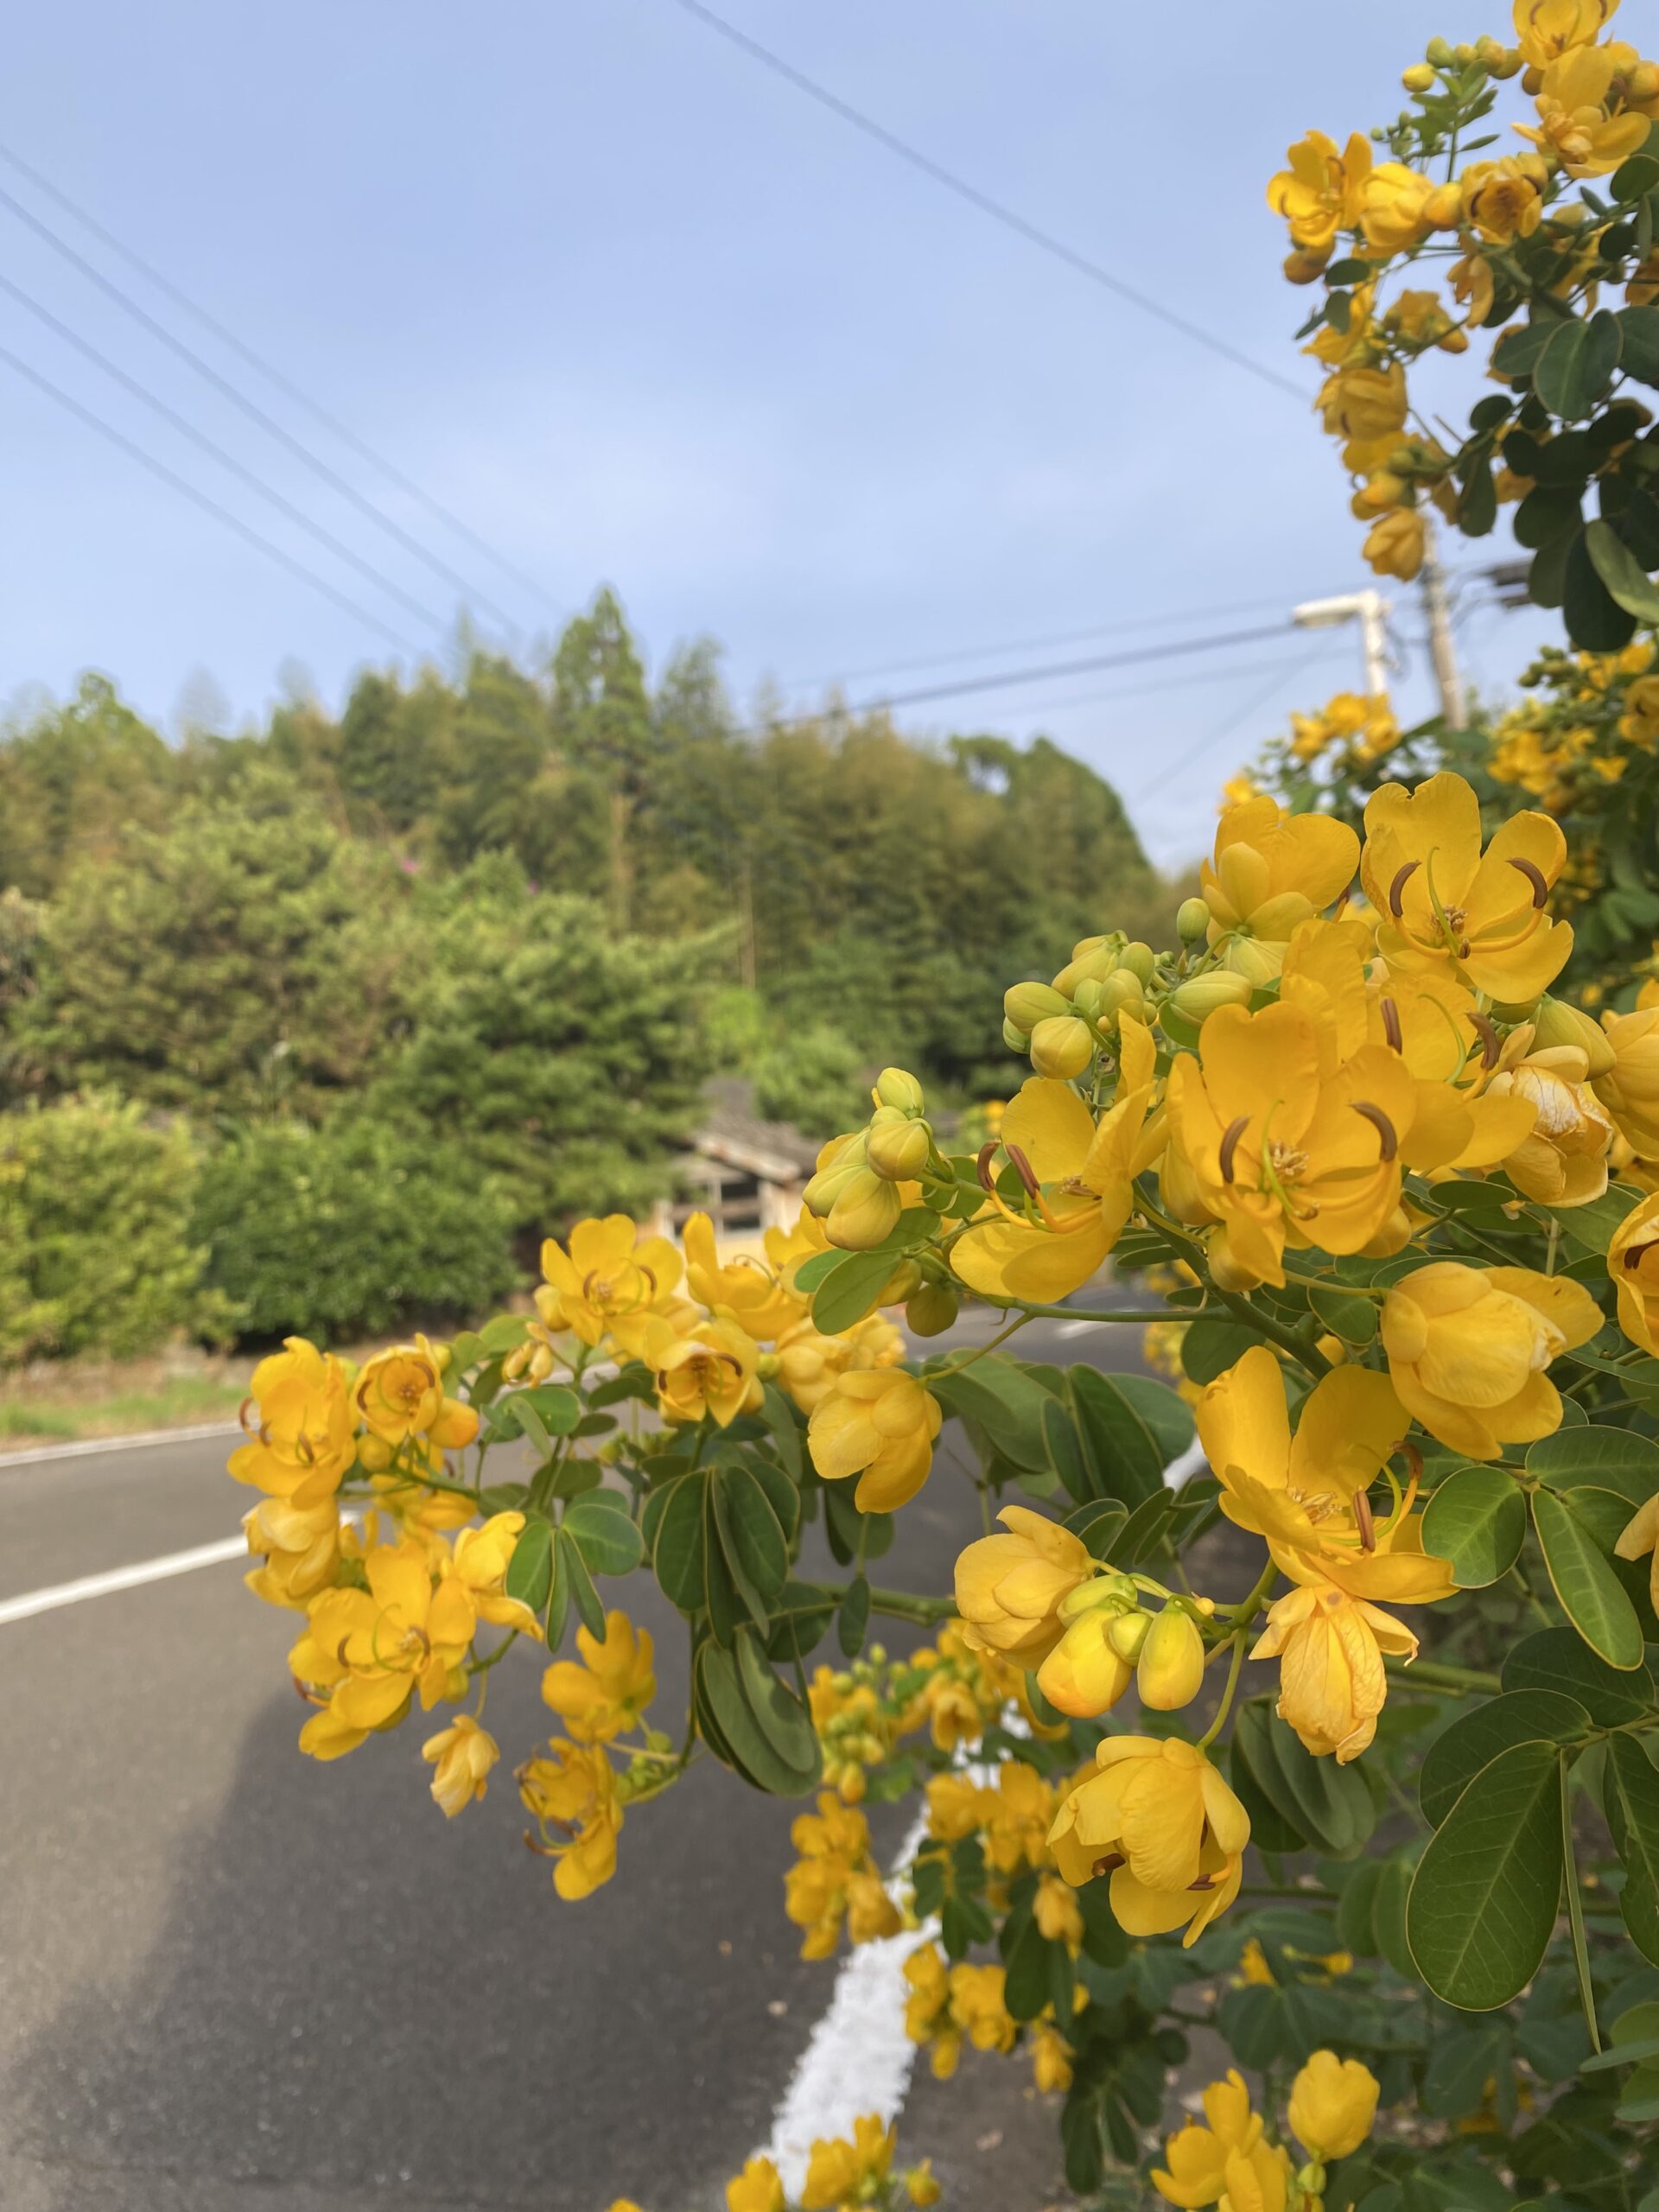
[(1442, 651), (1370, 610)]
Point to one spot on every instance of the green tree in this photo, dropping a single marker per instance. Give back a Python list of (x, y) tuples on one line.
[(73, 780), (602, 719)]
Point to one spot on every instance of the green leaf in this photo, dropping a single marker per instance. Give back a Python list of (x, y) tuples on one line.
[(603, 1531), (1064, 1448), (1638, 353), (1556, 1659), (783, 1719), (758, 1728), (1354, 1320), (1478, 501), (1479, 1736), (1327, 1803), (1549, 512), (1516, 352), (1477, 1521), (749, 1530), (1576, 364), (800, 1616), (1005, 1401), (1631, 1790), (1592, 1226), (1631, 181), (1355, 1915), (1096, 1525), (1271, 1829), (849, 1291), (1597, 1458), (558, 1596), (1591, 1595), (632, 1381), (1486, 1891), (1132, 1427), (855, 1619), (583, 1596), (1025, 1991), (678, 1553), (810, 1273), (778, 1414), (1627, 581), (530, 1571), (1389, 1914), (1547, 577), (1209, 1348), (1594, 620)]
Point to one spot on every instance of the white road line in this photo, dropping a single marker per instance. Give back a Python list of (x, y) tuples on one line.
[(121, 1578), (1078, 1328), (87, 1446), (859, 2059), (1191, 1462)]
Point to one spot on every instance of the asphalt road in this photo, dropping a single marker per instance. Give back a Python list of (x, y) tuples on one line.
[(238, 1981)]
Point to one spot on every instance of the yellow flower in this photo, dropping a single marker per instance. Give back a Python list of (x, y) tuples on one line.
[(303, 1443), (481, 1560), (399, 1394), (744, 1292), (1300, 1492), (1318, 193), (807, 1364), (1363, 402), (299, 1545), (1444, 904), (609, 1283), (1640, 720), (1085, 1175), (878, 1426), (835, 1879), (1284, 1145), (1333, 2106), (1169, 1673), (463, 1754), (1056, 1910), (1574, 123), (921, 2184), (1159, 1815), (928, 2018), (1050, 2060), (1010, 1588), (1394, 207), (1468, 1347), (1475, 290), (1505, 200), (976, 2004), (574, 1791), (1394, 545), (711, 1371), (1545, 29), (1270, 871), (1633, 1266), (373, 1648), (1563, 1162), (759, 2188), (1331, 1682), (1085, 1674), (1257, 2180), (838, 2172), (1017, 1815), (1195, 2172), (608, 1694), (1630, 1088)]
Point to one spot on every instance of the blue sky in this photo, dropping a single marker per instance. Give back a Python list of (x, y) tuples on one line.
[(639, 312)]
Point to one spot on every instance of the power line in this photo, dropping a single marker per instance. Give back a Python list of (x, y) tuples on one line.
[(982, 200), (1286, 672), (201, 499), (255, 413), (187, 429), (1005, 679)]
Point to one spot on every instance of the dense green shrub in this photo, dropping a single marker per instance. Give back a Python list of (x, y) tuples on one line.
[(349, 1230), (97, 1251)]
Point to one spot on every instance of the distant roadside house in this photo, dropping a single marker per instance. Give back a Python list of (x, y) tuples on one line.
[(745, 1173)]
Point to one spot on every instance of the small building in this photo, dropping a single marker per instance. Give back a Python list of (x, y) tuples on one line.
[(746, 1174)]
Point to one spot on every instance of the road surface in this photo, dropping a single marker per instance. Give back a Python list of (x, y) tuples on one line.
[(238, 1981)]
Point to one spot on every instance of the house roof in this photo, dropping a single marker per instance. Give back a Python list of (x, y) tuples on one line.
[(732, 1131)]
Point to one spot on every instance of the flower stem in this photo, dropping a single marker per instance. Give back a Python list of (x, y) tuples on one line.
[(1575, 1909)]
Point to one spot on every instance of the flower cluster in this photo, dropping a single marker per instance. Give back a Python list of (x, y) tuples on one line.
[(844, 2173), (1230, 2158)]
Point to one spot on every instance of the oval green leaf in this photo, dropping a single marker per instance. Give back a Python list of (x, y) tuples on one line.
[(1630, 1789), (603, 1531), (1597, 1458), (1479, 1737), (1591, 1595), (1576, 364), (1557, 1659), (1486, 1891), (849, 1291), (1477, 1521), (678, 1551), (1628, 583)]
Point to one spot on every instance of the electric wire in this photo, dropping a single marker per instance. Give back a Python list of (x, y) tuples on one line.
[(187, 429), (1252, 705), (266, 421), (996, 209), (202, 499)]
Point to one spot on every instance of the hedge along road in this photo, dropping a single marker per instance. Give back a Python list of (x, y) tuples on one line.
[(239, 1980)]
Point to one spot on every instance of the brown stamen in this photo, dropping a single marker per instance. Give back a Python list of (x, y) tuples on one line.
[(1534, 876), (1203, 1882), (1490, 1048), (1230, 1145), (1396, 889), (1391, 1028), (1634, 1255), (987, 1153), (1105, 1866), (1380, 1122), (1023, 1169), (1367, 1525)]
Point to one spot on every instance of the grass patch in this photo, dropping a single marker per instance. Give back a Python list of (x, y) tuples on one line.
[(72, 1402)]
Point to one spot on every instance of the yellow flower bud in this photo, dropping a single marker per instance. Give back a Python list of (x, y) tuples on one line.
[(1082, 1675), (1463, 53), (1062, 1047), (1305, 264), (1557, 1023), (1200, 995), (1170, 1671), (837, 1165), (898, 1149), (1128, 1633), (1333, 2105), (1191, 920), (1444, 207), (1014, 1037), (1141, 960), (1026, 1004), (1121, 990), (1419, 78), (1438, 53), (932, 1310), (894, 1088), (866, 1210)]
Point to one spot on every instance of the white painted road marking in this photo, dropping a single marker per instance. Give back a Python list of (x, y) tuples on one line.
[(1077, 1328), (87, 1446), (121, 1578)]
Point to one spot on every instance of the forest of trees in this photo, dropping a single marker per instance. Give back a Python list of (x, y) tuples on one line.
[(491, 934)]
